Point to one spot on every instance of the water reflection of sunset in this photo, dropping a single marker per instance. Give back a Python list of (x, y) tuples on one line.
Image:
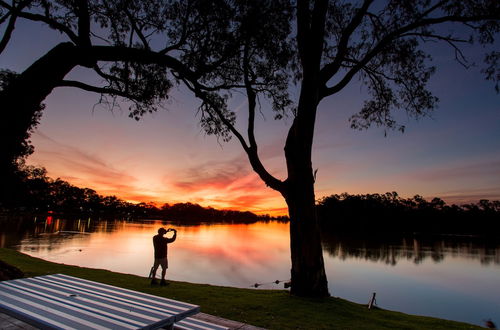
[(239, 254), (244, 244), (408, 274)]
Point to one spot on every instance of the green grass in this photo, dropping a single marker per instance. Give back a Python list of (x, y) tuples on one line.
[(274, 309)]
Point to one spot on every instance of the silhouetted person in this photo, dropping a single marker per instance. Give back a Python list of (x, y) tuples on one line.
[(160, 244)]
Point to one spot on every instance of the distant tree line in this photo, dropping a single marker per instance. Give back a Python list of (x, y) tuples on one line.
[(34, 192), (386, 213)]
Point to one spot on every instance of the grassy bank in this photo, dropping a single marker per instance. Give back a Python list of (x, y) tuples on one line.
[(274, 309)]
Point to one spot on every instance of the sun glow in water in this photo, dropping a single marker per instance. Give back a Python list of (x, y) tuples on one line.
[(450, 278)]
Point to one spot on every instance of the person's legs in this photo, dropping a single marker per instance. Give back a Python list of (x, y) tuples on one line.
[(164, 266), (153, 271), (163, 272)]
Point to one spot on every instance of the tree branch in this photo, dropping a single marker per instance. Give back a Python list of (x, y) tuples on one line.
[(8, 32), (327, 91), (136, 29), (13, 13), (126, 54), (183, 37), (96, 89), (194, 86), (250, 96), (82, 12), (106, 76), (251, 150), (5, 17), (433, 8), (45, 19), (317, 35), (331, 68), (144, 56), (303, 28), (459, 55)]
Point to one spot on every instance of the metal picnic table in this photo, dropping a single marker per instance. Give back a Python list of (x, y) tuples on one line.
[(64, 302)]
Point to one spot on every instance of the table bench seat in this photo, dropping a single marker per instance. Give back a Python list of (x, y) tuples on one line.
[(65, 302), (190, 323)]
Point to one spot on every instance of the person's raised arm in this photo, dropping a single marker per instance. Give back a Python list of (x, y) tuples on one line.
[(171, 240)]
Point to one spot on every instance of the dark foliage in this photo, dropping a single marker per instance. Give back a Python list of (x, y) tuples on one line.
[(17, 146), (389, 213), (38, 194)]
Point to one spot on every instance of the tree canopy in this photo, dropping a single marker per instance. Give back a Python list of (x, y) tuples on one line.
[(140, 49)]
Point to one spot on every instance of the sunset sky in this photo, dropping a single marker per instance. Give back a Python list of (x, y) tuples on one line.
[(166, 157)]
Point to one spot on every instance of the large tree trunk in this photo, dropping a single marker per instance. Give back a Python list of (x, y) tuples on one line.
[(21, 99), (308, 271)]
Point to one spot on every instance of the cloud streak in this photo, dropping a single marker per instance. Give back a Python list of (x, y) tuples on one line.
[(231, 184), (470, 195), (222, 184), (480, 169), (85, 170)]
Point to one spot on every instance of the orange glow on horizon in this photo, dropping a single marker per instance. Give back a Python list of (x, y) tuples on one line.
[(229, 184), (275, 212), (247, 194)]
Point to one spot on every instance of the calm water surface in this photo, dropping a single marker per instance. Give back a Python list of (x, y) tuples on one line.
[(450, 277)]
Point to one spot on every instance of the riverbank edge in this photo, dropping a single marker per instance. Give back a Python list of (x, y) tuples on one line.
[(272, 309)]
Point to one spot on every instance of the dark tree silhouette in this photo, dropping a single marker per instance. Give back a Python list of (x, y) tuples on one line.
[(17, 148), (377, 42), (148, 47), (376, 214), (214, 47)]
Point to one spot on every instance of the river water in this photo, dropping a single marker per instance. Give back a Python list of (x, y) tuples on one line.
[(455, 278)]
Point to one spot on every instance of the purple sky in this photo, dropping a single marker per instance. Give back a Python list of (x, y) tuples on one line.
[(166, 157)]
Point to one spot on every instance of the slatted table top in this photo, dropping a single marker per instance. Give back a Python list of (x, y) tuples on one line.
[(65, 302)]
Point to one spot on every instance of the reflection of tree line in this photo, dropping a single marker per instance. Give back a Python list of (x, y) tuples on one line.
[(390, 249), (53, 229), (36, 193), (382, 213)]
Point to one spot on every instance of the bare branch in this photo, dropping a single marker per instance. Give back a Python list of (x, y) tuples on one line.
[(100, 38), (96, 89), (106, 76), (459, 55)]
